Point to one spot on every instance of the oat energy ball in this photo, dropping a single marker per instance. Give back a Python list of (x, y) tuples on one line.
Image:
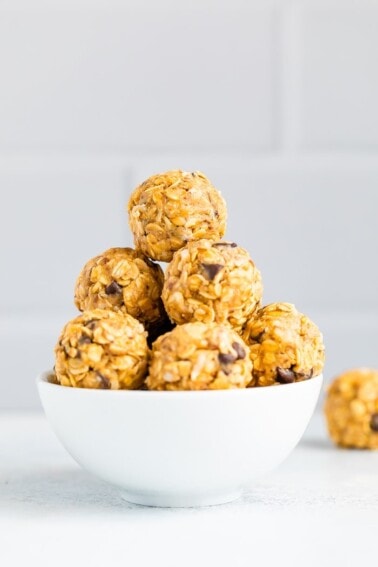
[(285, 346), (102, 349), (351, 409), (125, 280), (170, 209), (197, 356), (212, 282)]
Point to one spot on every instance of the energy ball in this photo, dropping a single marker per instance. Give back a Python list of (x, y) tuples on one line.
[(351, 409), (285, 345), (170, 209), (211, 281), (197, 356), (102, 349), (125, 280)]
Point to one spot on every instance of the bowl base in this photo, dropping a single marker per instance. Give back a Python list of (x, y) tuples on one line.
[(168, 500)]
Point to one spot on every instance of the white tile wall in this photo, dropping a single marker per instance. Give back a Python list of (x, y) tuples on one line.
[(27, 345), (275, 100), (171, 75), (339, 75), (51, 221), (312, 231)]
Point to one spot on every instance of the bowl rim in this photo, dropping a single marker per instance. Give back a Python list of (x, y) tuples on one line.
[(42, 381)]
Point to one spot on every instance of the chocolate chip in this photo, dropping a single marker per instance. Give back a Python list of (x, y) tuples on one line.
[(285, 375), (113, 289), (105, 382), (240, 351), (219, 244), (211, 270), (374, 422), (226, 358), (84, 339), (225, 361), (91, 324)]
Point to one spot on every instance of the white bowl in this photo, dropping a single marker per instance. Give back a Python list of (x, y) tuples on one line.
[(180, 448)]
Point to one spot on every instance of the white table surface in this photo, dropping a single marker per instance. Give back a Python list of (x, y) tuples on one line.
[(319, 508)]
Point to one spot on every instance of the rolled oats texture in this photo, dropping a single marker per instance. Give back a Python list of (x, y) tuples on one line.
[(124, 280), (212, 281), (170, 209), (199, 356), (351, 409), (102, 349), (285, 345)]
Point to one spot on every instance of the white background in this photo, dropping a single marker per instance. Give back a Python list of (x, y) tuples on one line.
[(276, 101)]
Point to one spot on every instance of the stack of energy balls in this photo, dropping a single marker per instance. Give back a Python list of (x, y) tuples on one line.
[(203, 320)]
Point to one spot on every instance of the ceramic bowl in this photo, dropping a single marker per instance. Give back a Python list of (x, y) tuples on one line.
[(180, 448)]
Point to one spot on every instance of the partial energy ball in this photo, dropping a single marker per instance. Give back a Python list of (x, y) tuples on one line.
[(102, 349), (211, 281), (197, 356), (285, 345), (125, 280), (351, 409), (170, 209)]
